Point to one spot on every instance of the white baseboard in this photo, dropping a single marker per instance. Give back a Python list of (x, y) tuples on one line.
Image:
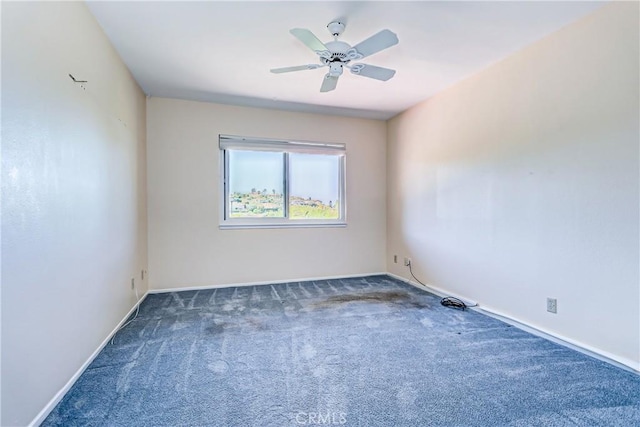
[(620, 362), (60, 394), (268, 282)]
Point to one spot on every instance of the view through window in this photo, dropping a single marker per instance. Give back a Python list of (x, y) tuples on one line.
[(282, 182)]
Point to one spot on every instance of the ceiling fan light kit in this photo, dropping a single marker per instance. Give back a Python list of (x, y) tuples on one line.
[(338, 55)]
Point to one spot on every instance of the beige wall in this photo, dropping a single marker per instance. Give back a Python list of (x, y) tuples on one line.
[(73, 198), (186, 247), (521, 183)]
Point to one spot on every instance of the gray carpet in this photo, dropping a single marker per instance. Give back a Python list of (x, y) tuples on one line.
[(357, 352)]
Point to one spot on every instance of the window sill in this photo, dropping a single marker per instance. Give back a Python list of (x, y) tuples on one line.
[(285, 225)]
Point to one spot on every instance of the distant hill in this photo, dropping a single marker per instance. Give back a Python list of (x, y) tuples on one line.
[(263, 204)]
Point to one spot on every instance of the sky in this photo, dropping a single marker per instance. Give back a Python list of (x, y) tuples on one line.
[(311, 175)]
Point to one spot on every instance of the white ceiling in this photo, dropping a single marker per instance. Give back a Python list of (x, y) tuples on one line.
[(222, 51)]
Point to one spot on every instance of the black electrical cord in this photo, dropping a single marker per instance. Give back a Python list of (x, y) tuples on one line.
[(412, 275), (446, 301), (453, 302)]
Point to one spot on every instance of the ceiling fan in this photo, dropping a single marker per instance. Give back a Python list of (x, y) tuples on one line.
[(338, 55)]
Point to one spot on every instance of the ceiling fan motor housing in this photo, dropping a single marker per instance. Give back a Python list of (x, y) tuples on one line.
[(337, 52)]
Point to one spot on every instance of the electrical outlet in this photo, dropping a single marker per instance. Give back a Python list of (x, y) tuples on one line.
[(395, 259), (407, 261), (133, 282), (552, 305)]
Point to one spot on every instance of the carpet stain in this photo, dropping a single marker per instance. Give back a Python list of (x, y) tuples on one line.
[(389, 298), (256, 324), (216, 329)]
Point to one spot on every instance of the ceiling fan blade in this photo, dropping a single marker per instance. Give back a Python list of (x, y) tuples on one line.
[(296, 68), (376, 43), (309, 39), (371, 71), (329, 83)]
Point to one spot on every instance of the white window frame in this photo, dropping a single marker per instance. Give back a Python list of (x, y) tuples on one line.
[(230, 142)]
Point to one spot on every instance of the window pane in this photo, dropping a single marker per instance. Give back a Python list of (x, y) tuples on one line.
[(314, 185), (256, 184)]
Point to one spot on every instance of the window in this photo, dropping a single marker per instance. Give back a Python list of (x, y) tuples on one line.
[(272, 183)]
